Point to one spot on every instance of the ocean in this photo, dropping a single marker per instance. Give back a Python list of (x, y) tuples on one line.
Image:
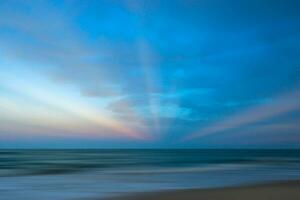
[(87, 174)]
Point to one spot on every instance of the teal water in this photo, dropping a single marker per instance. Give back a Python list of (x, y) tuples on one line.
[(71, 174)]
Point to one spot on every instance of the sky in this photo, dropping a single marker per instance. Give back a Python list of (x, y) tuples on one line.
[(150, 74)]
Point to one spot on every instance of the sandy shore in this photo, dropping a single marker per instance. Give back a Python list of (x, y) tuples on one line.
[(278, 191)]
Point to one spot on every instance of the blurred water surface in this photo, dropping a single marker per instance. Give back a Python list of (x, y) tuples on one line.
[(75, 174)]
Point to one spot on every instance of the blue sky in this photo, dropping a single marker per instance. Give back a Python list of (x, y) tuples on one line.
[(161, 74)]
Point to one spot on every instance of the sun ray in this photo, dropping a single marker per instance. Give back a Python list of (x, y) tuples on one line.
[(279, 105), (54, 98)]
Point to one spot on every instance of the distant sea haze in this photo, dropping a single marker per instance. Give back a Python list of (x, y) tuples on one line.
[(71, 174)]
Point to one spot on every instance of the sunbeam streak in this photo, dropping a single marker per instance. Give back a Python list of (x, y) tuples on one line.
[(54, 98), (280, 105), (147, 60)]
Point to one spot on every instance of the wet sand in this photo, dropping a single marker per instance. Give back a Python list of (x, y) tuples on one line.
[(275, 191)]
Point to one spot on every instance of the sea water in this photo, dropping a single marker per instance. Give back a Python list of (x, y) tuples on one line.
[(79, 174)]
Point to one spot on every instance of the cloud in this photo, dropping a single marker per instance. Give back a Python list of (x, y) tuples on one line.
[(101, 91)]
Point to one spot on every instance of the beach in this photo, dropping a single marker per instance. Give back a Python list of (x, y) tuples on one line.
[(272, 191)]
